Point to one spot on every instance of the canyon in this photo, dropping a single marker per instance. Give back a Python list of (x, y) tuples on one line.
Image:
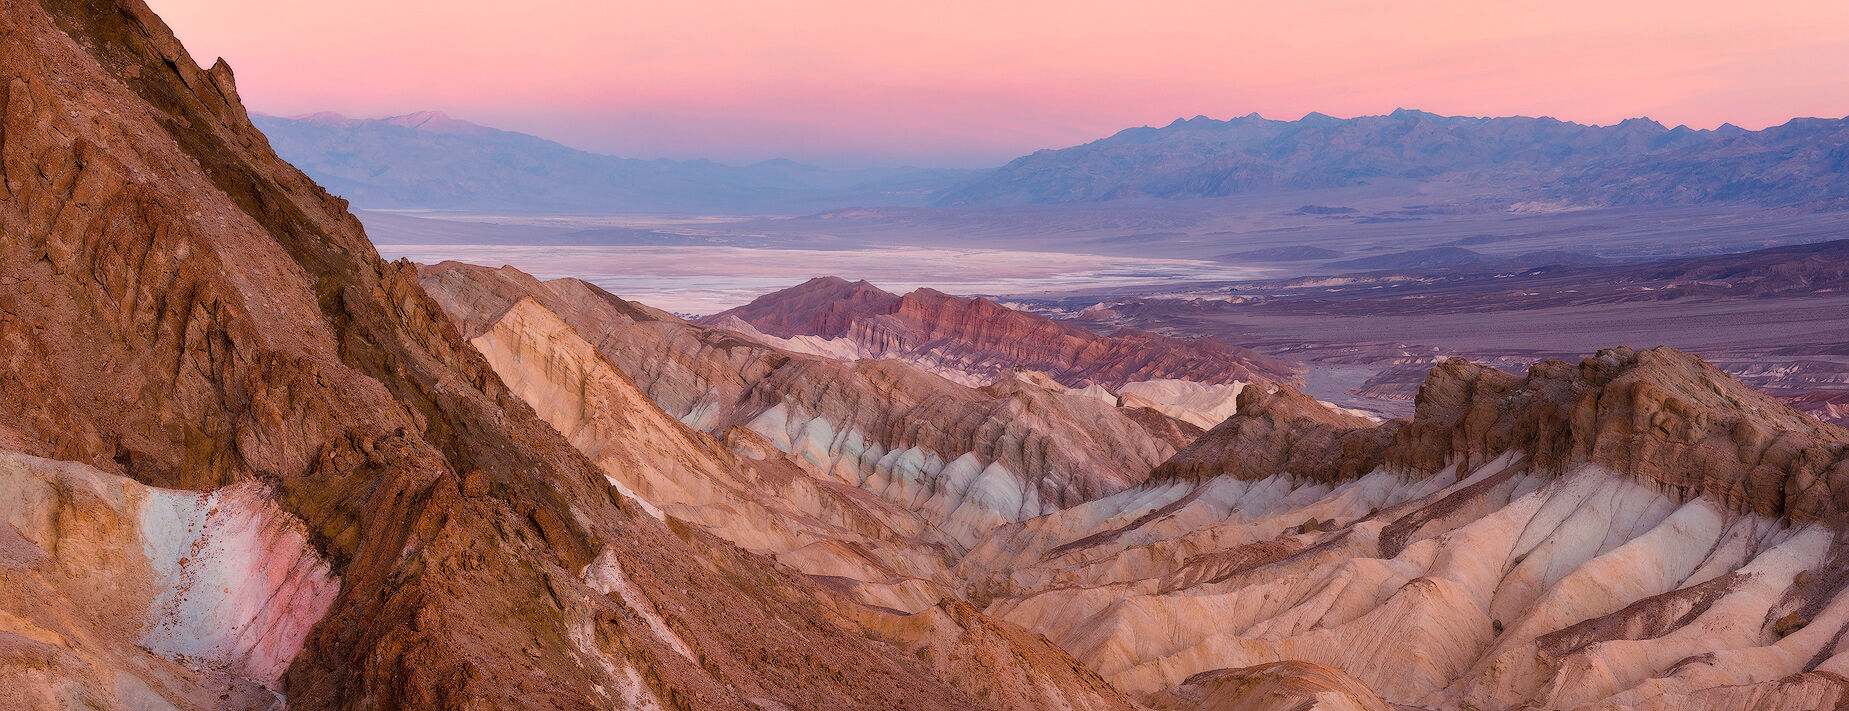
[(246, 463)]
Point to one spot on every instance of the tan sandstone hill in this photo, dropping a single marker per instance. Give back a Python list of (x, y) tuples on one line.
[(966, 459)]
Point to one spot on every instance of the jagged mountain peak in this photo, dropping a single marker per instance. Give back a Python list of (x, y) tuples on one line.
[(831, 282), (1635, 161), (1281, 430)]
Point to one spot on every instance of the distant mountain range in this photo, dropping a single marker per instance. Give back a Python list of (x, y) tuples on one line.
[(1638, 161), (429, 160)]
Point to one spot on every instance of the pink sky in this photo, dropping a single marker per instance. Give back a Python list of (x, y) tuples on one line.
[(951, 82)]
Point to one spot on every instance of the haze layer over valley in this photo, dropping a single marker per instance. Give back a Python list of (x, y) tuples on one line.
[(1425, 229)]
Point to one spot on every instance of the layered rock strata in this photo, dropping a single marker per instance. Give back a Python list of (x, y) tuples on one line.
[(121, 595), (966, 459), (978, 338), (1634, 531), (740, 488)]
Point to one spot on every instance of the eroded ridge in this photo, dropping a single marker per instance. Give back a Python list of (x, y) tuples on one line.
[(1634, 531)]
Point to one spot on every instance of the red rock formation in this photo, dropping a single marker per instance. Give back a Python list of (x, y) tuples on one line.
[(824, 306), (1659, 414), (980, 337)]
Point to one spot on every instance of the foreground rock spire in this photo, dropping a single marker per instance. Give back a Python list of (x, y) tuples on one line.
[(208, 367)]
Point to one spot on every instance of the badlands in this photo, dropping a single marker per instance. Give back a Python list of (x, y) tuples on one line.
[(1634, 531), (247, 464)]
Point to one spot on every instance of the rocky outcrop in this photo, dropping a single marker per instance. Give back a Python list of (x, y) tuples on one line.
[(980, 338), (1282, 431), (121, 595), (1198, 404), (824, 307), (1659, 415), (1278, 686), (1634, 531), (183, 309), (966, 459)]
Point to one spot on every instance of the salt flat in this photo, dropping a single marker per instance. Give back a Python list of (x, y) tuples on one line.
[(703, 279)]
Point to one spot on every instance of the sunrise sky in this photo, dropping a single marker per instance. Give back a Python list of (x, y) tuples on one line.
[(974, 83)]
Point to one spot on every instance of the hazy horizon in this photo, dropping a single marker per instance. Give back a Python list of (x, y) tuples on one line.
[(976, 167), (967, 85)]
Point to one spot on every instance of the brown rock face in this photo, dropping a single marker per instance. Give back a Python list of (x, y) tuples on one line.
[(982, 338), (1278, 686), (184, 309), (1282, 431), (967, 459), (1659, 414), (824, 306)]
